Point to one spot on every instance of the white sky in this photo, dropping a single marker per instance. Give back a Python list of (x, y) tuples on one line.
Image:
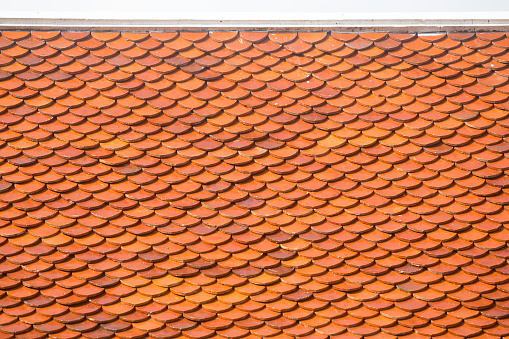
[(260, 6)]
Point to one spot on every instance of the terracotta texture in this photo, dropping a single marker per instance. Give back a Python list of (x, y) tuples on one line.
[(253, 184)]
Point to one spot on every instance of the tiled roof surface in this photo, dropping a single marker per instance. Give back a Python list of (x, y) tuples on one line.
[(248, 185)]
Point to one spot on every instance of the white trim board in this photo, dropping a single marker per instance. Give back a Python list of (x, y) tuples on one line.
[(148, 21)]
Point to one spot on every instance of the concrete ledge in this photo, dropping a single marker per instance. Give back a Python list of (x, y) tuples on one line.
[(394, 22)]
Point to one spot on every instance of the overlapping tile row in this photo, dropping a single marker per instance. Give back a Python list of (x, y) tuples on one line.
[(254, 184)]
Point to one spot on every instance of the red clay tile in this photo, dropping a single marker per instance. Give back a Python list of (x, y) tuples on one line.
[(203, 177)]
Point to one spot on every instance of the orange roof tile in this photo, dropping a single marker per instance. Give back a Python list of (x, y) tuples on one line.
[(253, 184)]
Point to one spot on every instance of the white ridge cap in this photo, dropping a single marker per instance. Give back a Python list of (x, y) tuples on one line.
[(422, 22)]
